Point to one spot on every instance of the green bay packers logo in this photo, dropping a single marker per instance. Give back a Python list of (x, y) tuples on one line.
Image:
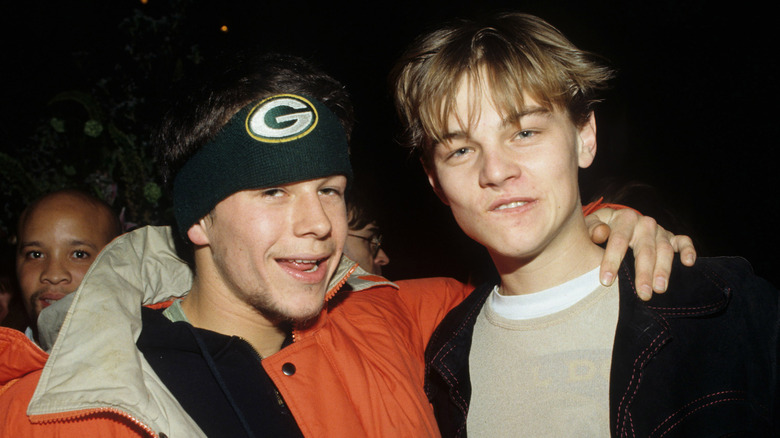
[(281, 118)]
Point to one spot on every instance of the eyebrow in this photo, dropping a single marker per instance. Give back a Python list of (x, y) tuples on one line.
[(515, 117), (511, 119), (75, 242)]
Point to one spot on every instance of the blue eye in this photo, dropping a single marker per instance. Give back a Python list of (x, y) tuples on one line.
[(459, 152), (525, 134)]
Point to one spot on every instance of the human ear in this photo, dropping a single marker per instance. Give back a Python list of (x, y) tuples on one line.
[(587, 144), (198, 234)]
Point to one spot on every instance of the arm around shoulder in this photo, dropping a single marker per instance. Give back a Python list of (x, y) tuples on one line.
[(428, 300)]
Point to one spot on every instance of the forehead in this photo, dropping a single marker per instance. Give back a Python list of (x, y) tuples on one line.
[(313, 183), (484, 92), (64, 217), (476, 96), (310, 185)]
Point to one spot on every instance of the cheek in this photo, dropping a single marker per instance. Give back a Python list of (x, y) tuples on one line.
[(453, 188), (469, 222), (462, 201), (29, 275), (554, 171), (78, 272), (251, 232), (460, 196), (337, 215)]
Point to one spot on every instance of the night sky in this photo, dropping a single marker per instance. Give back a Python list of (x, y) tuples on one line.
[(691, 113)]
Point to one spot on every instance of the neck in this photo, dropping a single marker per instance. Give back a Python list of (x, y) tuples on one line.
[(560, 261), (218, 310)]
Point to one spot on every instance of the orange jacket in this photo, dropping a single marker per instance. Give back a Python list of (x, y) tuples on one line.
[(355, 371)]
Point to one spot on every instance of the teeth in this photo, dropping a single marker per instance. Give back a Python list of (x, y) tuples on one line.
[(511, 205), (315, 264)]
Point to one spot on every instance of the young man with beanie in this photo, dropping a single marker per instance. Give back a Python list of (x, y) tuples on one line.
[(502, 111), (273, 332)]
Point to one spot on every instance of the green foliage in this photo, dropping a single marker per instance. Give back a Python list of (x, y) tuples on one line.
[(96, 138)]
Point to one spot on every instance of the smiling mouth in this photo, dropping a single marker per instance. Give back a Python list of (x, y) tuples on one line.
[(306, 270), (514, 204), (303, 265)]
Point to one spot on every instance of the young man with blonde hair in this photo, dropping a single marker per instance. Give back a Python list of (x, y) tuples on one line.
[(502, 111)]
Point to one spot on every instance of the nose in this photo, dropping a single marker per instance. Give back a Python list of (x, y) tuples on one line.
[(55, 272), (497, 166), (310, 217), (381, 258)]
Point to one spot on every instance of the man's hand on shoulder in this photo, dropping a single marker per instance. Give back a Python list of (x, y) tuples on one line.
[(653, 247)]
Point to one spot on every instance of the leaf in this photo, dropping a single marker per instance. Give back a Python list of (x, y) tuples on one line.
[(93, 128)]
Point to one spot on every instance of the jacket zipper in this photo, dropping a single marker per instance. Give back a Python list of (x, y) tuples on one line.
[(48, 418), (328, 296)]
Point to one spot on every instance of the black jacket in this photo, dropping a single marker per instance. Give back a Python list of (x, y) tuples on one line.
[(700, 360)]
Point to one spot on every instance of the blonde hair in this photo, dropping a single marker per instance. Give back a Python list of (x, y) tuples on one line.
[(517, 53)]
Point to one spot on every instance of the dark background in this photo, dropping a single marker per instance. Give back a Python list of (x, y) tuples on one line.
[(692, 112)]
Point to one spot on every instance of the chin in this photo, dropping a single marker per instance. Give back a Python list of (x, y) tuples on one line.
[(297, 314)]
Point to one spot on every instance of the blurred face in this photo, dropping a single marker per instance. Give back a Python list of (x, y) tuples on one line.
[(275, 249), (59, 239), (5, 299), (511, 179), (363, 246)]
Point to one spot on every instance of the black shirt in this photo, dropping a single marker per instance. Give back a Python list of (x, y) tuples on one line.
[(224, 388)]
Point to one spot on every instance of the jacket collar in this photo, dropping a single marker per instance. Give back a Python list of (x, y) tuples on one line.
[(348, 278), (643, 327), (688, 296), (94, 365)]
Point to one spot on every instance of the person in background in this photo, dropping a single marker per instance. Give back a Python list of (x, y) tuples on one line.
[(58, 237), (364, 239)]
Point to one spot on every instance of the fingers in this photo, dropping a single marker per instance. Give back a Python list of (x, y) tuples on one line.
[(597, 223), (664, 256), (653, 247), (621, 231), (684, 245), (599, 232), (666, 246), (644, 244)]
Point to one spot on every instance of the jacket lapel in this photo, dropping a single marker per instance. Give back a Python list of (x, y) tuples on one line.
[(447, 379)]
